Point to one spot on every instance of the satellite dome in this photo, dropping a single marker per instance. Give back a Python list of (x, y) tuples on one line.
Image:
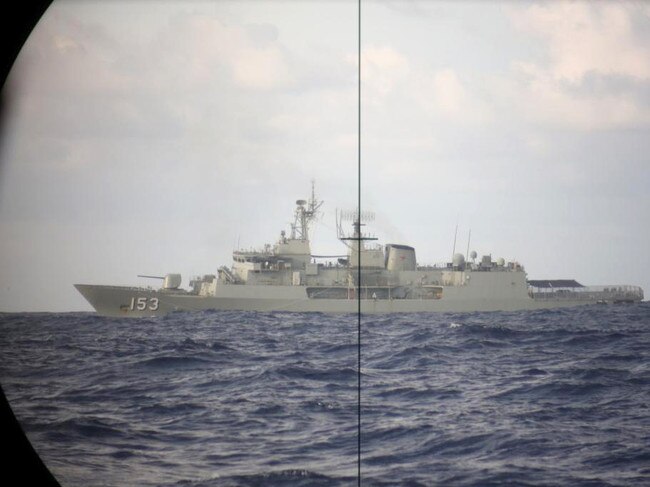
[(473, 254)]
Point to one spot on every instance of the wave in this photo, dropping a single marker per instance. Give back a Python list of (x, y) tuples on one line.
[(229, 398), (174, 362)]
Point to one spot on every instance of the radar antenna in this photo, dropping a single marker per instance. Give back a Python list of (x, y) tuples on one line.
[(356, 217)]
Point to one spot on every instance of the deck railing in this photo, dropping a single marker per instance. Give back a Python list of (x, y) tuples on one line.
[(588, 293)]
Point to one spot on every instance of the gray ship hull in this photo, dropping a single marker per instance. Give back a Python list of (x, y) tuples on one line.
[(140, 302)]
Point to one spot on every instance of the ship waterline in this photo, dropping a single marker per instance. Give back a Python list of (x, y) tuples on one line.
[(370, 277)]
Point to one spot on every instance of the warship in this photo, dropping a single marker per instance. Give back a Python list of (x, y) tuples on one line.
[(286, 276)]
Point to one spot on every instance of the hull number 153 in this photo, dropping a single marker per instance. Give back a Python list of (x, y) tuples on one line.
[(143, 303)]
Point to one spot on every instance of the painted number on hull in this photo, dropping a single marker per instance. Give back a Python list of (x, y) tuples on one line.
[(143, 303)]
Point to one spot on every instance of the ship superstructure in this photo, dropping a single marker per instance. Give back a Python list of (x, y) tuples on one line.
[(286, 276)]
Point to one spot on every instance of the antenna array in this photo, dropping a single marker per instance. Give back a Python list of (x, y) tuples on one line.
[(354, 215)]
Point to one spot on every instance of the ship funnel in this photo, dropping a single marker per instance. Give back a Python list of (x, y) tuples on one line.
[(400, 257)]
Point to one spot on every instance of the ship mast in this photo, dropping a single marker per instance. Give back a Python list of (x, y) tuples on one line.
[(306, 212)]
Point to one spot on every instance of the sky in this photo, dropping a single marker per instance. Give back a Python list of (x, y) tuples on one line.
[(148, 137)]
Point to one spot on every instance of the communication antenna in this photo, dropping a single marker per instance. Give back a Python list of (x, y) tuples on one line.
[(453, 250), (469, 237)]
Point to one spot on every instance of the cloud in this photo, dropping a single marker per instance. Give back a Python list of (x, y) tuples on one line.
[(587, 37), (78, 85), (191, 51), (449, 94), (542, 99), (260, 68), (383, 69), (585, 45), (250, 56), (189, 101), (392, 81), (444, 94), (76, 57)]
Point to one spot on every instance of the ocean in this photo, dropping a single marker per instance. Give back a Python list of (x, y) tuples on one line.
[(553, 397)]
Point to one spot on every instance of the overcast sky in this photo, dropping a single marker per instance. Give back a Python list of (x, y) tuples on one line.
[(152, 137)]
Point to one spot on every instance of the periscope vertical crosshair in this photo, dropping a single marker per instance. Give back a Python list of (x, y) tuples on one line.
[(359, 245)]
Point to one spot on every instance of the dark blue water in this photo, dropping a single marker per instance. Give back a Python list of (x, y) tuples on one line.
[(556, 397)]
